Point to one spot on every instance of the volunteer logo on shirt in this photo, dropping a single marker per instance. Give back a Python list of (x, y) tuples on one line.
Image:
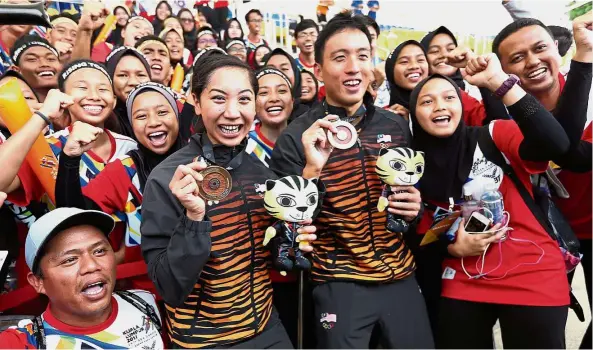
[(139, 334), (328, 320)]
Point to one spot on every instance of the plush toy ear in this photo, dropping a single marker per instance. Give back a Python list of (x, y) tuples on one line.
[(383, 151), (270, 184), (315, 181), (422, 153)]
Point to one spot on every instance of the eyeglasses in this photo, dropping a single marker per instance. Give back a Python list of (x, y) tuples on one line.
[(307, 35), (207, 41), (238, 50), (256, 20)]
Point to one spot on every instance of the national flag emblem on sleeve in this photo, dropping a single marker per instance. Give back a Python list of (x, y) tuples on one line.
[(381, 138)]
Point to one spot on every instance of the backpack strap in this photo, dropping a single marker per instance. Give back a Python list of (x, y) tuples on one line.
[(141, 305), (493, 154)]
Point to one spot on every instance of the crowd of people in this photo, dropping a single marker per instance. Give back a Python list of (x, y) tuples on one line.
[(147, 109)]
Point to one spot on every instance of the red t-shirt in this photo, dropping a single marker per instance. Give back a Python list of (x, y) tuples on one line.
[(474, 112), (101, 51), (525, 276), (577, 209), (111, 190)]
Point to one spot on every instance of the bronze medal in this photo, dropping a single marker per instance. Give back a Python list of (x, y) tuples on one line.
[(345, 137), (216, 185)]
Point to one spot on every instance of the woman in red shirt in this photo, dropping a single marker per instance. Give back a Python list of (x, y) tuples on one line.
[(516, 274)]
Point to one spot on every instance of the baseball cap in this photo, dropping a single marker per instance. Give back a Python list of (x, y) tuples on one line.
[(58, 220)]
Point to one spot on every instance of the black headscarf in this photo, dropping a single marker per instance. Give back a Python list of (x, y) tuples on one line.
[(448, 160), (296, 88), (189, 38), (456, 77), (251, 57), (398, 94), (120, 112), (144, 159), (157, 24), (115, 37), (226, 31), (315, 99)]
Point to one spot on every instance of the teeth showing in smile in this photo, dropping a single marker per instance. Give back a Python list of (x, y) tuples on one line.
[(156, 66), (230, 129), (442, 119), (46, 73), (93, 109), (413, 76), (158, 138), (94, 289), (352, 82), (537, 73), (275, 109)]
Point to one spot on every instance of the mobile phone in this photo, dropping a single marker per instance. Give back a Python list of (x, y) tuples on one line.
[(477, 223)]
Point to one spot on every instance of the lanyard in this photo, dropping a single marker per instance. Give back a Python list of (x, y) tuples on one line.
[(358, 115), (208, 150)]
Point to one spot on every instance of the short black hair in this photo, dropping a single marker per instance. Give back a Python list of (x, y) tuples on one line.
[(512, 28), (203, 72), (304, 25), (564, 38), (252, 11), (372, 23), (340, 23)]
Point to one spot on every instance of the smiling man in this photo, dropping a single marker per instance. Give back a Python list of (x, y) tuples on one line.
[(365, 273), (306, 32), (38, 62), (159, 58), (74, 265), (136, 28)]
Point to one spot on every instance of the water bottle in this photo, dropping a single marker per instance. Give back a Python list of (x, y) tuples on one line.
[(492, 200), (469, 204)]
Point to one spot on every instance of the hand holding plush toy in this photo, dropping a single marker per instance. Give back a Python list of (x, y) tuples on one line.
[(292, 200), (399, 166)]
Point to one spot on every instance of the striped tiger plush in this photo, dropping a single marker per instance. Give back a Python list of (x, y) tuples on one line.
[(399, 166), (291, 199)]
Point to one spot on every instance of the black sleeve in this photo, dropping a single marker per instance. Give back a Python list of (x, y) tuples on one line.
[(493, 106), (174, 247), (571, 110), (571, 113), (288, 156), (68, 188), (544, 138)]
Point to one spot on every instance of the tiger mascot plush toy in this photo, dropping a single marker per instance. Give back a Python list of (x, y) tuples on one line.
[(400, 166), (291, 199)]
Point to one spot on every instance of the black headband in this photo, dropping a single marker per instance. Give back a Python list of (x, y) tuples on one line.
[(268, 70), (233, 42), (18, 52), (77, 65)]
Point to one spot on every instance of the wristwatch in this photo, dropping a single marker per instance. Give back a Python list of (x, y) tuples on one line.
[(507, 85)]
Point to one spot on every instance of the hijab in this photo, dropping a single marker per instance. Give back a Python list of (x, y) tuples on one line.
[(296, 89), (448, 160), (398, 94), (120, 106), (315, 99), (189, 38), (251, 57), (456, 77), (144, 159)]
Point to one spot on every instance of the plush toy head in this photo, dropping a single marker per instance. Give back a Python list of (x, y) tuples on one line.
[(291, 198), (400, 166)]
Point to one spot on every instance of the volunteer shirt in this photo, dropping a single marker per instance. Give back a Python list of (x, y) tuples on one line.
[(353, 243), (127, 327), (303, 65), (532, 271)]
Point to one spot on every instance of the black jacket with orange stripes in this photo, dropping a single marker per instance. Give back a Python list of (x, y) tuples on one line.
[(352, 241), (213, 275)]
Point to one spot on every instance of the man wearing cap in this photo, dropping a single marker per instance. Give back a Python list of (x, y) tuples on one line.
[(74, 266), (38, 62), (63, 33)]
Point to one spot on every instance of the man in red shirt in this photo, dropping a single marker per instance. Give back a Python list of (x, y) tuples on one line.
[(527, 49)]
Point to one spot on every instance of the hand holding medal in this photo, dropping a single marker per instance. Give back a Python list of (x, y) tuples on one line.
[(316, 146), (196, 183), (345, 137)]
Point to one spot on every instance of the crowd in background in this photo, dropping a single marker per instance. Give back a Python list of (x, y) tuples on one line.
[(119, 248)]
